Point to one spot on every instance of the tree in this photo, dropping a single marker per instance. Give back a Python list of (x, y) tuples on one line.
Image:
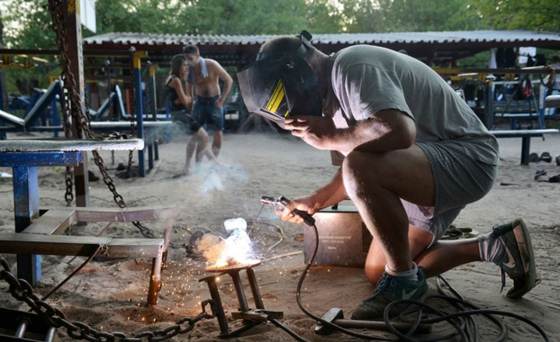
[(31, 25), (420, 15), (538, 15), (248, 17)]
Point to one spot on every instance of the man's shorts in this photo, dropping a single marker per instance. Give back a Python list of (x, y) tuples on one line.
[(185, 122), (459, 180), (206, 113)]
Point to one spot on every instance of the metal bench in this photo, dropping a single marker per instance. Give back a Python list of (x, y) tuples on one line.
[(552, 101), (151, 137), (525, 136), (37, 234)]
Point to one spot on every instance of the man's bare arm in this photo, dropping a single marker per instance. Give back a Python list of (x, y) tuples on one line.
[(383, 131), (190, 90), (330, 194), (226, 78)]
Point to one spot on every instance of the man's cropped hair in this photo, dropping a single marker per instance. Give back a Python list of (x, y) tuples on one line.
[(190, 49)]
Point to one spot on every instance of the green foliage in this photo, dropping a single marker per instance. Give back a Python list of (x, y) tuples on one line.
[(31, 26), (149, 16), (30, 22), (537, 15), (421, 15)]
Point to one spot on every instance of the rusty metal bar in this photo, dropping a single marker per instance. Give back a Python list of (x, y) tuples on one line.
[(125, 215), (239, 290), (79, 245), (218, 307), (155, 279), (255, 288), (52, 222)]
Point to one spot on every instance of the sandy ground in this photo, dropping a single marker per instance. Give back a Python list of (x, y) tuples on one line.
[(111, 295)]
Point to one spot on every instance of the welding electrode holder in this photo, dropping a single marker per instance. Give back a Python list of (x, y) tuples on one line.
[(283, 202)]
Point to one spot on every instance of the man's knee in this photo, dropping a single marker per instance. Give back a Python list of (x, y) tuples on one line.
[(358, 166), (374, 271), (202, 135)]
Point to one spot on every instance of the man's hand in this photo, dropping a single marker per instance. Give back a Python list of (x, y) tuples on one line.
[(219, 102), (315, 131), (307, 204)]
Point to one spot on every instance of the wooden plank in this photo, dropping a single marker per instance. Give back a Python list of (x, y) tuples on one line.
[(54, 221), (79, 245)]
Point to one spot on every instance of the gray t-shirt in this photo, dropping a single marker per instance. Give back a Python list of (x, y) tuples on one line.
[(366, 79)]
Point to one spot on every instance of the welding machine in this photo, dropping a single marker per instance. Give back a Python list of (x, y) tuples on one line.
[(344, 239)]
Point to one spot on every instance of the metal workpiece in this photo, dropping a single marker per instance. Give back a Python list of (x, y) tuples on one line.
[(255, 288), (44, 236), (239, 290), (250, 317), (218, 308)]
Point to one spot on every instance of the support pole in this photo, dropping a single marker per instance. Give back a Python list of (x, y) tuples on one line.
[(26, 208), (489, 103), (136, 63), (75, 54), (152, 69)]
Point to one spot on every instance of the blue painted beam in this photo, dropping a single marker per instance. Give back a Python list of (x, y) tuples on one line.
[(31, 159), (26, 208), (26, 197)]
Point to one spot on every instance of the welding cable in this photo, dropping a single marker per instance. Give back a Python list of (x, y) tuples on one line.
[(73, 273), (471, 321), (449, 318), (280, 233), (317, 318), (477, 311), (286, 329)]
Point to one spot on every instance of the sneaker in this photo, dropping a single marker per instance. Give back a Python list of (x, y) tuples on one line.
[(390, 289), (520, 264)]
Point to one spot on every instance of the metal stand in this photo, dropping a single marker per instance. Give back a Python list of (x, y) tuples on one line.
[(250, 317), (45, 236), (25, 326)]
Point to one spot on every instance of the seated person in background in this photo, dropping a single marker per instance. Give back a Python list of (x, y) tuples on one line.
[(180, 102)]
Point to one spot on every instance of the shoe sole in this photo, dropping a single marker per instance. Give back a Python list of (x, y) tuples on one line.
[(527, 259)]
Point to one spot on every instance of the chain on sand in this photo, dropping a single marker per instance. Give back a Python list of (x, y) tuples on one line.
[(22, 291), (72, 101)]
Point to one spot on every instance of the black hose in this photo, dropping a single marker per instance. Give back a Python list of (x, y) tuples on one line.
[(286, 329), (449, 318)]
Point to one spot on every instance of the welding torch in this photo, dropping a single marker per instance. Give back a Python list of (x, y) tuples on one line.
[(283, 202)]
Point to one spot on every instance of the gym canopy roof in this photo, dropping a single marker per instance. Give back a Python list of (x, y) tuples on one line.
[(236, 50)]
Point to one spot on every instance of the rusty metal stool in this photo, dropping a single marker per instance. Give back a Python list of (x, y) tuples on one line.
[(250, 317)]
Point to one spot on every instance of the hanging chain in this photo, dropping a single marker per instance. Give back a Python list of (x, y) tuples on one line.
[(72, 102), (22, 291), (66, 111)]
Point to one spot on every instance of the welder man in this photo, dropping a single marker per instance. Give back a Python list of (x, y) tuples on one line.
[(412, 155)]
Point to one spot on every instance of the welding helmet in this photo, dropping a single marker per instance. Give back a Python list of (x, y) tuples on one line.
[(280, 86)]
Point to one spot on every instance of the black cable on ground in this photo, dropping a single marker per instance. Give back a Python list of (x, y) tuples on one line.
[(450, 318), (73, 273), (286, 329)]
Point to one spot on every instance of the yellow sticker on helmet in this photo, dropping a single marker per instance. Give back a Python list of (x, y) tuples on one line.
[(277, 97)]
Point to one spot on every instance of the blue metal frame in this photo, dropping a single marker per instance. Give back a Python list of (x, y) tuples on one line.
[(26, 197)]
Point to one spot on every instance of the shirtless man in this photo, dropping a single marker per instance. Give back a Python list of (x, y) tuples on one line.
[(204, 77)]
